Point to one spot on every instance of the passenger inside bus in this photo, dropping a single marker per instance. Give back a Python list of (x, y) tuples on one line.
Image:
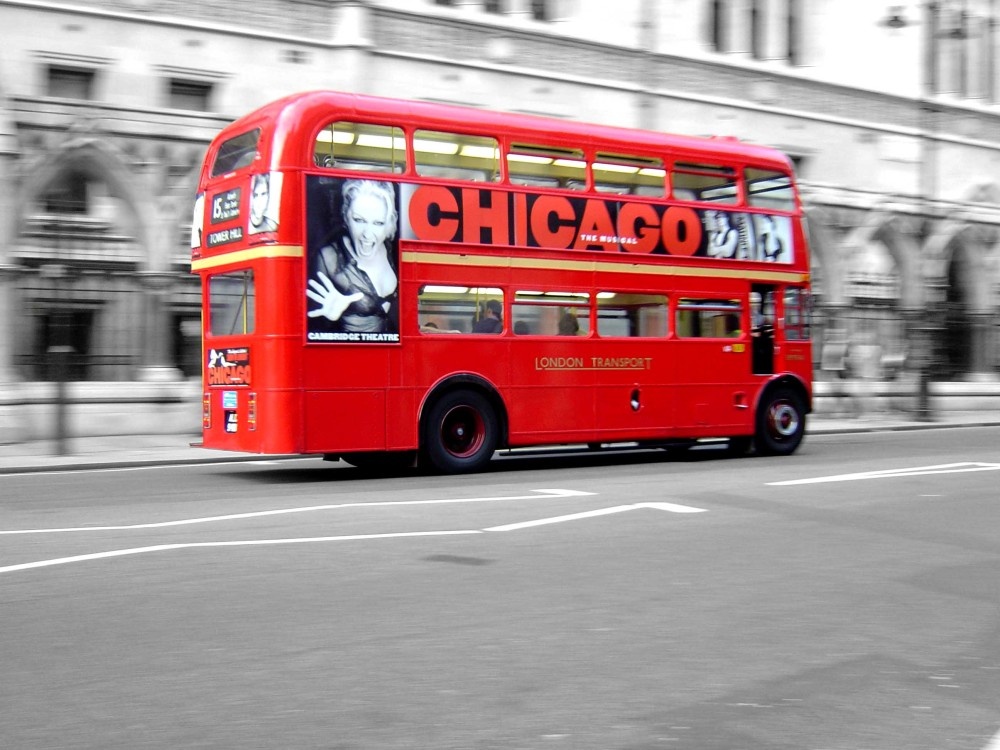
[(568, 324), (490, 318)]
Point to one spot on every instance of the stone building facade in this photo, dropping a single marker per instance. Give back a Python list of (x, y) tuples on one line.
[(891, 112)]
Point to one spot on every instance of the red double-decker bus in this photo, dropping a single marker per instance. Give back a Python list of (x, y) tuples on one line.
[(391, 282)]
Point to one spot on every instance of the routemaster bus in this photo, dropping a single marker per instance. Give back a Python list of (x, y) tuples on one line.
[(396, 282)]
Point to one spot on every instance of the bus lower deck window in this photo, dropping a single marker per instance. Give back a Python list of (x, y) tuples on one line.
[(551, 313), (628, 315), (709, 318), (231, 303)]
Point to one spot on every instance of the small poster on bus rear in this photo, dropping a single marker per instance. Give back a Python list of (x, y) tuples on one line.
[(352, 288), (265, 195), (229, 366)]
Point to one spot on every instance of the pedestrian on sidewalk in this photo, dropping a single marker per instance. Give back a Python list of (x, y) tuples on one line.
[(866, 367)]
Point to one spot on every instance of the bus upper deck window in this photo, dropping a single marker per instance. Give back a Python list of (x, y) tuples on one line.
[(625, 174), (769, 189), (456, 156), (546, 166), (236, 153), (361, 146), (705, 182)]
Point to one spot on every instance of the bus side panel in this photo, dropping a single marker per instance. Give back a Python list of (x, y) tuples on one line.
[(715, 390), (401, 423), (552, 395), (344, 396), (796, 357), (344, 420), (455, 360), (258, 410), (634, 396)]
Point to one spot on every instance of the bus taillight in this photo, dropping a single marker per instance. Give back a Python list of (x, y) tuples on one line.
[(252, 411), (206, 411)]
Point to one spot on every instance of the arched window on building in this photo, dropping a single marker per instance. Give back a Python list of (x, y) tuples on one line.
[(82, 304)]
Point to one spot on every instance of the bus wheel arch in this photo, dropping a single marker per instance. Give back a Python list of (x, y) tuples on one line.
[(462, 422), (780, 422)]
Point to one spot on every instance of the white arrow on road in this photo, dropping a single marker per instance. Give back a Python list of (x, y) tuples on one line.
[(917, 471), (669, 507)]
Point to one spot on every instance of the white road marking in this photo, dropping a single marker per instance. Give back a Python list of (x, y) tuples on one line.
[(993, 744), (538, 494), (669, 507), (246, 543), (959, 468)]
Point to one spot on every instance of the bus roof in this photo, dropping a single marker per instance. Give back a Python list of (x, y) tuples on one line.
[(297, 118)]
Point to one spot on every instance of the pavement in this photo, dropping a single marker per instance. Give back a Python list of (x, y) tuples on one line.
[(148, 450)]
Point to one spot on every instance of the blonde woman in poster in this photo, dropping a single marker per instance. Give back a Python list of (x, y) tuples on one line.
[(353, 280)]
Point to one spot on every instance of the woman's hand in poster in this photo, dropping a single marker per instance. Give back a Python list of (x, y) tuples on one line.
[(331, 302)]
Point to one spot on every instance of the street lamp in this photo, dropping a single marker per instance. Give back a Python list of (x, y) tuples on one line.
[(59, 353)]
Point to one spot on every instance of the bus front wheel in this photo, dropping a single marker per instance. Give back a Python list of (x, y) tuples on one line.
[(460, 433), (781, 422)]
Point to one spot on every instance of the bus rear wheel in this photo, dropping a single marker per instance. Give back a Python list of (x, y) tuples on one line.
[(460, 433), (781, 422)]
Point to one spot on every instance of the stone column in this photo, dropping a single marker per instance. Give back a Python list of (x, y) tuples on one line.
[(156, 280), (156, 365), (11, 415)]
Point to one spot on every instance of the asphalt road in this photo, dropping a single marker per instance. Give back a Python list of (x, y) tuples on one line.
[(844, 598)]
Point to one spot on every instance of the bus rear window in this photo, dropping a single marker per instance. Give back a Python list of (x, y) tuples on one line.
[(231, 303), (236, 153), (769, 189)]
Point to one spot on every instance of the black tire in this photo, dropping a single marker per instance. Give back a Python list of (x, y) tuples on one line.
[(781, 422), (460, 432), (740, 445)]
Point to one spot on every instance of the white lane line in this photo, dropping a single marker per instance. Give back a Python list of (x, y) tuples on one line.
[(993, 744), (917, 471), (538, 494), (247, 543), (669, 507)]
